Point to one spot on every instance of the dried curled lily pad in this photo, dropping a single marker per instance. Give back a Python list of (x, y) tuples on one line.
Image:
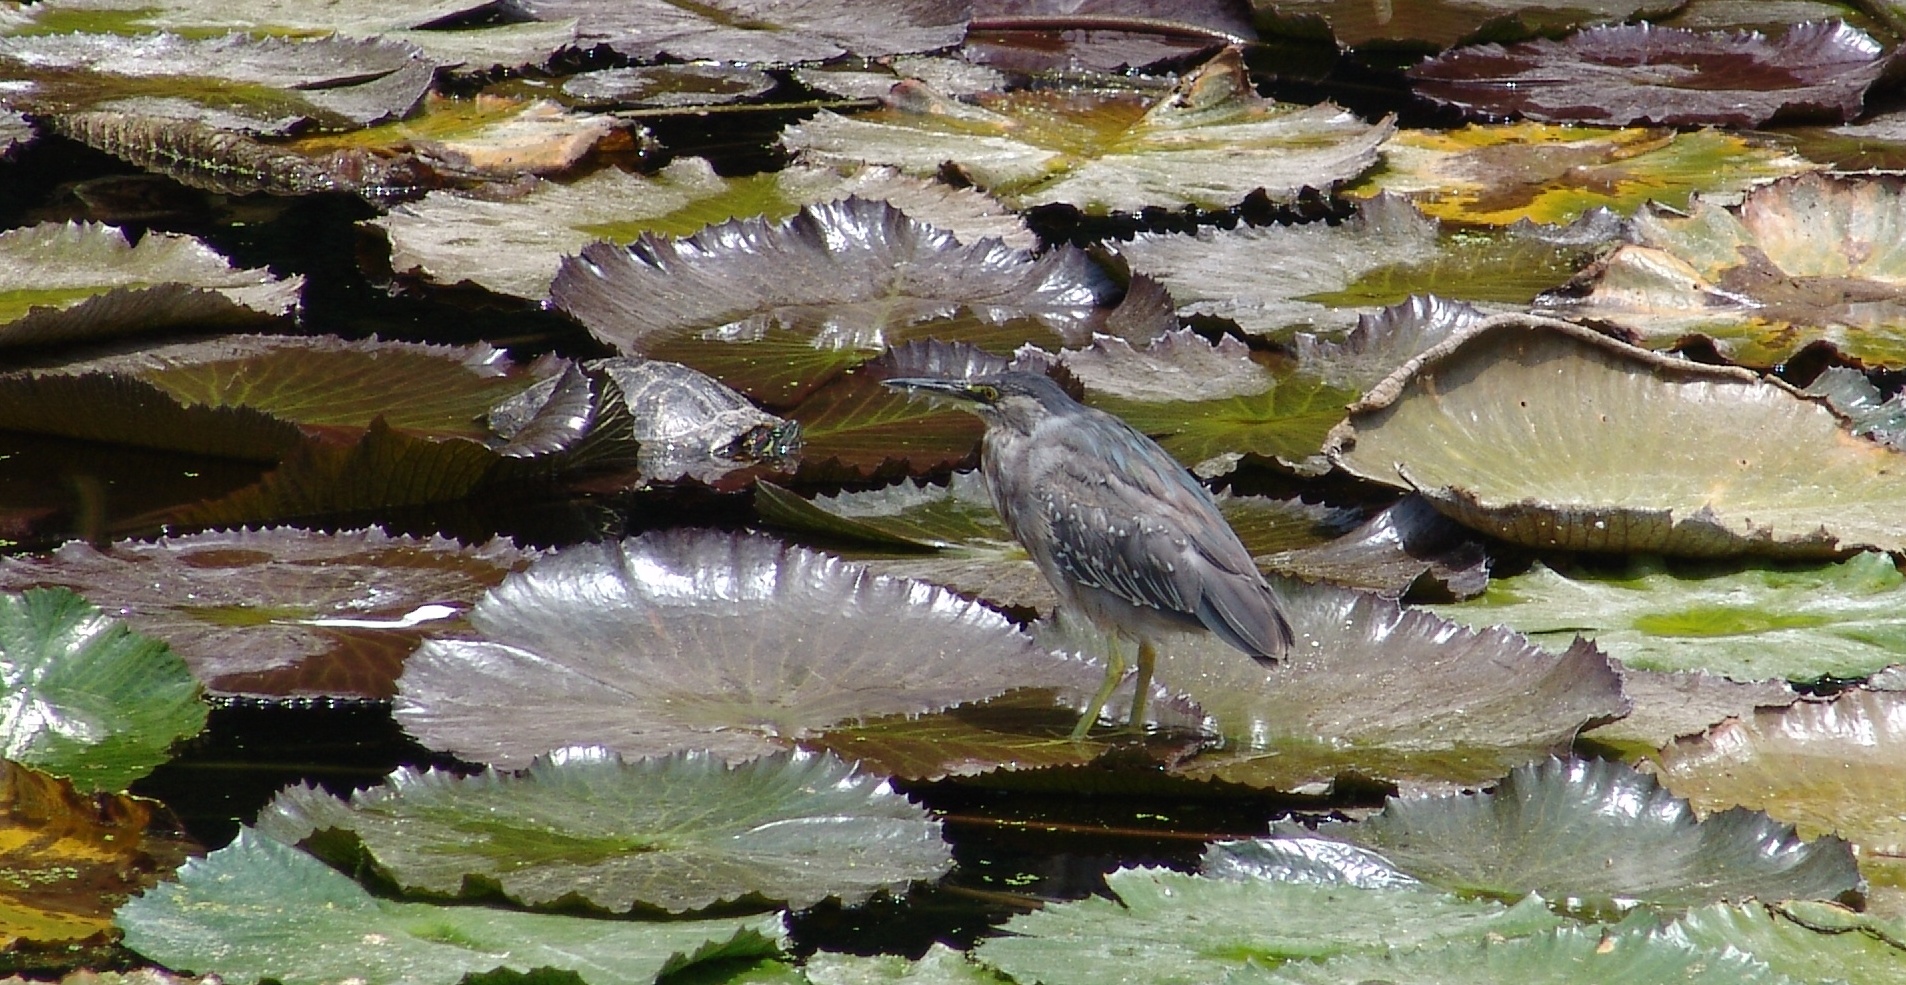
[(1324, 277), (1376, 691), (1601, 835), (1549, 435), (1498, 175), (701, 640), (1644, 74), (775, 308), (1439, 23), (678, 833), (1208, 143), (281, 612), (72, 857), (76, 282), (1843, 620), (512, 239), (761, 31), (235, 82), (1814, 258)]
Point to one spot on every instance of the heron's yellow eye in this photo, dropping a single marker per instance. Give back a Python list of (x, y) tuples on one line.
[(987, 394)]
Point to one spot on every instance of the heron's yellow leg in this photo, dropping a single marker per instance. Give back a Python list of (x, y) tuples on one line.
[(1114, 672), (1147, 659)]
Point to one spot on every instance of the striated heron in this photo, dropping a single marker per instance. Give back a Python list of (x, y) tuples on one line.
[(1130, 541)]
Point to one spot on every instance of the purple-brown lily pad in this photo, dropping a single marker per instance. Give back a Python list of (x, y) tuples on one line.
[(761, 31), (1631, 74), (281, 612)]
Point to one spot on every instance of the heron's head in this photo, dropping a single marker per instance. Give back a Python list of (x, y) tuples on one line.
[(1017, 399)]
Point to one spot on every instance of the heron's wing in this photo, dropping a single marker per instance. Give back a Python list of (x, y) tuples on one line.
[(1124, 517)]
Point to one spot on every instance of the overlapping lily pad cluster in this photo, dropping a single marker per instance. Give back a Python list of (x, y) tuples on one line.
[(1443, 373)]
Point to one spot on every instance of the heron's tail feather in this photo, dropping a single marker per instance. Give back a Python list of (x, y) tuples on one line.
[(1246, 617)]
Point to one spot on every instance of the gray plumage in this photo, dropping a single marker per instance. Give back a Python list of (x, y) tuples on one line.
[(1128, 538)]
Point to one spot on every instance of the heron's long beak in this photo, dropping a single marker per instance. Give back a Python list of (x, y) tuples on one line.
[(935, 386)]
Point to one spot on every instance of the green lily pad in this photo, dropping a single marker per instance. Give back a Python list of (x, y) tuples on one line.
[(1806, 260), (1858, 400), (77, 282), (1209, 142), (1550, 435), (1597, 834), (941, 965), (1375, 691), (679, 833), (1564, 956), (1209, 405), (1546, 173), (90, 699), (1323, 277), (1852, 948), (701, 640), (262, 909), (1168, 927), (1840, 620)]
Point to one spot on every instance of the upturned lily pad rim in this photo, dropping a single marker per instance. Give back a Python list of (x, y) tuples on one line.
[(1390, 389)]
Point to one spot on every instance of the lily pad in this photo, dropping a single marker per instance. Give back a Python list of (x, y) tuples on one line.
[(262, 909), (235, 82), (1601, 835), (1405, 546), (281, 612), (1376, 691), (1207, 143), (1550, 435), (1498, 175), (1641, 73), (1855, 397), (1563, 956), (941, 965), (1439, 23), (688, 640), (1825, 767), (680, 833), (512, 239), (1793, 940), (88, 698), (1670, 705), (71, 858), (1841, 620), (1806, 260), (797, 301), (75, 282), (653, 86), (1208, 404), (1326, 277), (761, 32), (1168, 927)]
